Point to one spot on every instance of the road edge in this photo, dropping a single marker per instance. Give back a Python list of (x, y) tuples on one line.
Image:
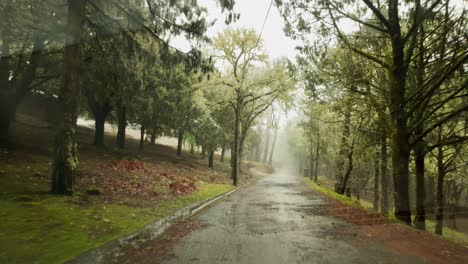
[(151, 231)]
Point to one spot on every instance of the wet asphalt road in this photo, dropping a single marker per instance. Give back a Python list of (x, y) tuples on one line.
[(278, 219)]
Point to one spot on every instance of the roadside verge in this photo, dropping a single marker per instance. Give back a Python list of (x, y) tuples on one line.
[(364, 214), (149, 232)]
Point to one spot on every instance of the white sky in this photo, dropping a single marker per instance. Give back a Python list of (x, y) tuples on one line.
[(252, 14)]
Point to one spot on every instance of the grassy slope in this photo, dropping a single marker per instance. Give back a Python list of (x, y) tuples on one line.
[(52, 229), (37, 227), (448, 233)]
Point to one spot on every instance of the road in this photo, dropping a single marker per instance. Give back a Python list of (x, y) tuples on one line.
[(278, 219)]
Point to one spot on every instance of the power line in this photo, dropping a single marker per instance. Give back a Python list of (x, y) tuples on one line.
[(264, 22)]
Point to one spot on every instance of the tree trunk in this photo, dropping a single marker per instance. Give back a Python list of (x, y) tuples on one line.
[(23, 86), (383, 171), (376, 181), (7, 92), (12, 93), (419, 155), (122, 125), (348, 171), (400, 133), (180, 139), (419, 148), (142, 137), (344, 151), (210, 159), (311, 163), (192, 148), (440, 186), (153, 137), (99, 122), (100, 111), (235, 149), (223, 152), (65, 151), (241, 154), (317, 155)]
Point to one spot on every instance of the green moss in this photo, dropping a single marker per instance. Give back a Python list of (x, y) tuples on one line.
[(448, 233), (53, 229), (341, 198)]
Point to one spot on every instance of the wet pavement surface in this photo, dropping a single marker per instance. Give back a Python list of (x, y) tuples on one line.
[(278, 219)]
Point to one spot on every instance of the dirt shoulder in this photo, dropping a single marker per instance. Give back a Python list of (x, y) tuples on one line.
[(374, 227)]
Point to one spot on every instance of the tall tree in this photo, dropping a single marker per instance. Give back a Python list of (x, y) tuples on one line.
[(400, 30), (250, 90), (65, 153)]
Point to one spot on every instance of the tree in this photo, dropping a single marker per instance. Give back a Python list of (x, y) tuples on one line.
[(250, 90), (181, 18), (400, 50), (26, 28), (65, 152)]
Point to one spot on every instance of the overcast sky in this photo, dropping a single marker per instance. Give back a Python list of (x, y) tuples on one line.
[(252, 15)]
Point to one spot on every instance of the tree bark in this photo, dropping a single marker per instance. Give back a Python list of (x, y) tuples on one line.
[(99, 122), (7, 92), (376, 181), (317, 155), (100, 112), (180, 139), (210, 159), (440, 186), (400, 133), (65, 151), (153, 137), (348, 170), (122, 125), (23, 86), (12, 93), (223, 152), (142, 137), (241, 151), (203, 152), (383, 171), (344, 151), (419, 148), (235, 149), (419, 155)]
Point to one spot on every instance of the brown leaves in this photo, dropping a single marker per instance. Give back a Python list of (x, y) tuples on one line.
[(183, 186)]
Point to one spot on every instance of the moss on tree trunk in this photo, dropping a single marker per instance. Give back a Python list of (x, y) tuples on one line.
[(65, 153)]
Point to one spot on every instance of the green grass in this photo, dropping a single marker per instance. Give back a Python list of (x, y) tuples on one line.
[(448, 233), (53, 229), (341, 198)]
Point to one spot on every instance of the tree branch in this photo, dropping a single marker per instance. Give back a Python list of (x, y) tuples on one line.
[(377, 13)]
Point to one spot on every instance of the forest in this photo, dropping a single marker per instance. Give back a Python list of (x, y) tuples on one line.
[(385, 104), (378, 94)]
